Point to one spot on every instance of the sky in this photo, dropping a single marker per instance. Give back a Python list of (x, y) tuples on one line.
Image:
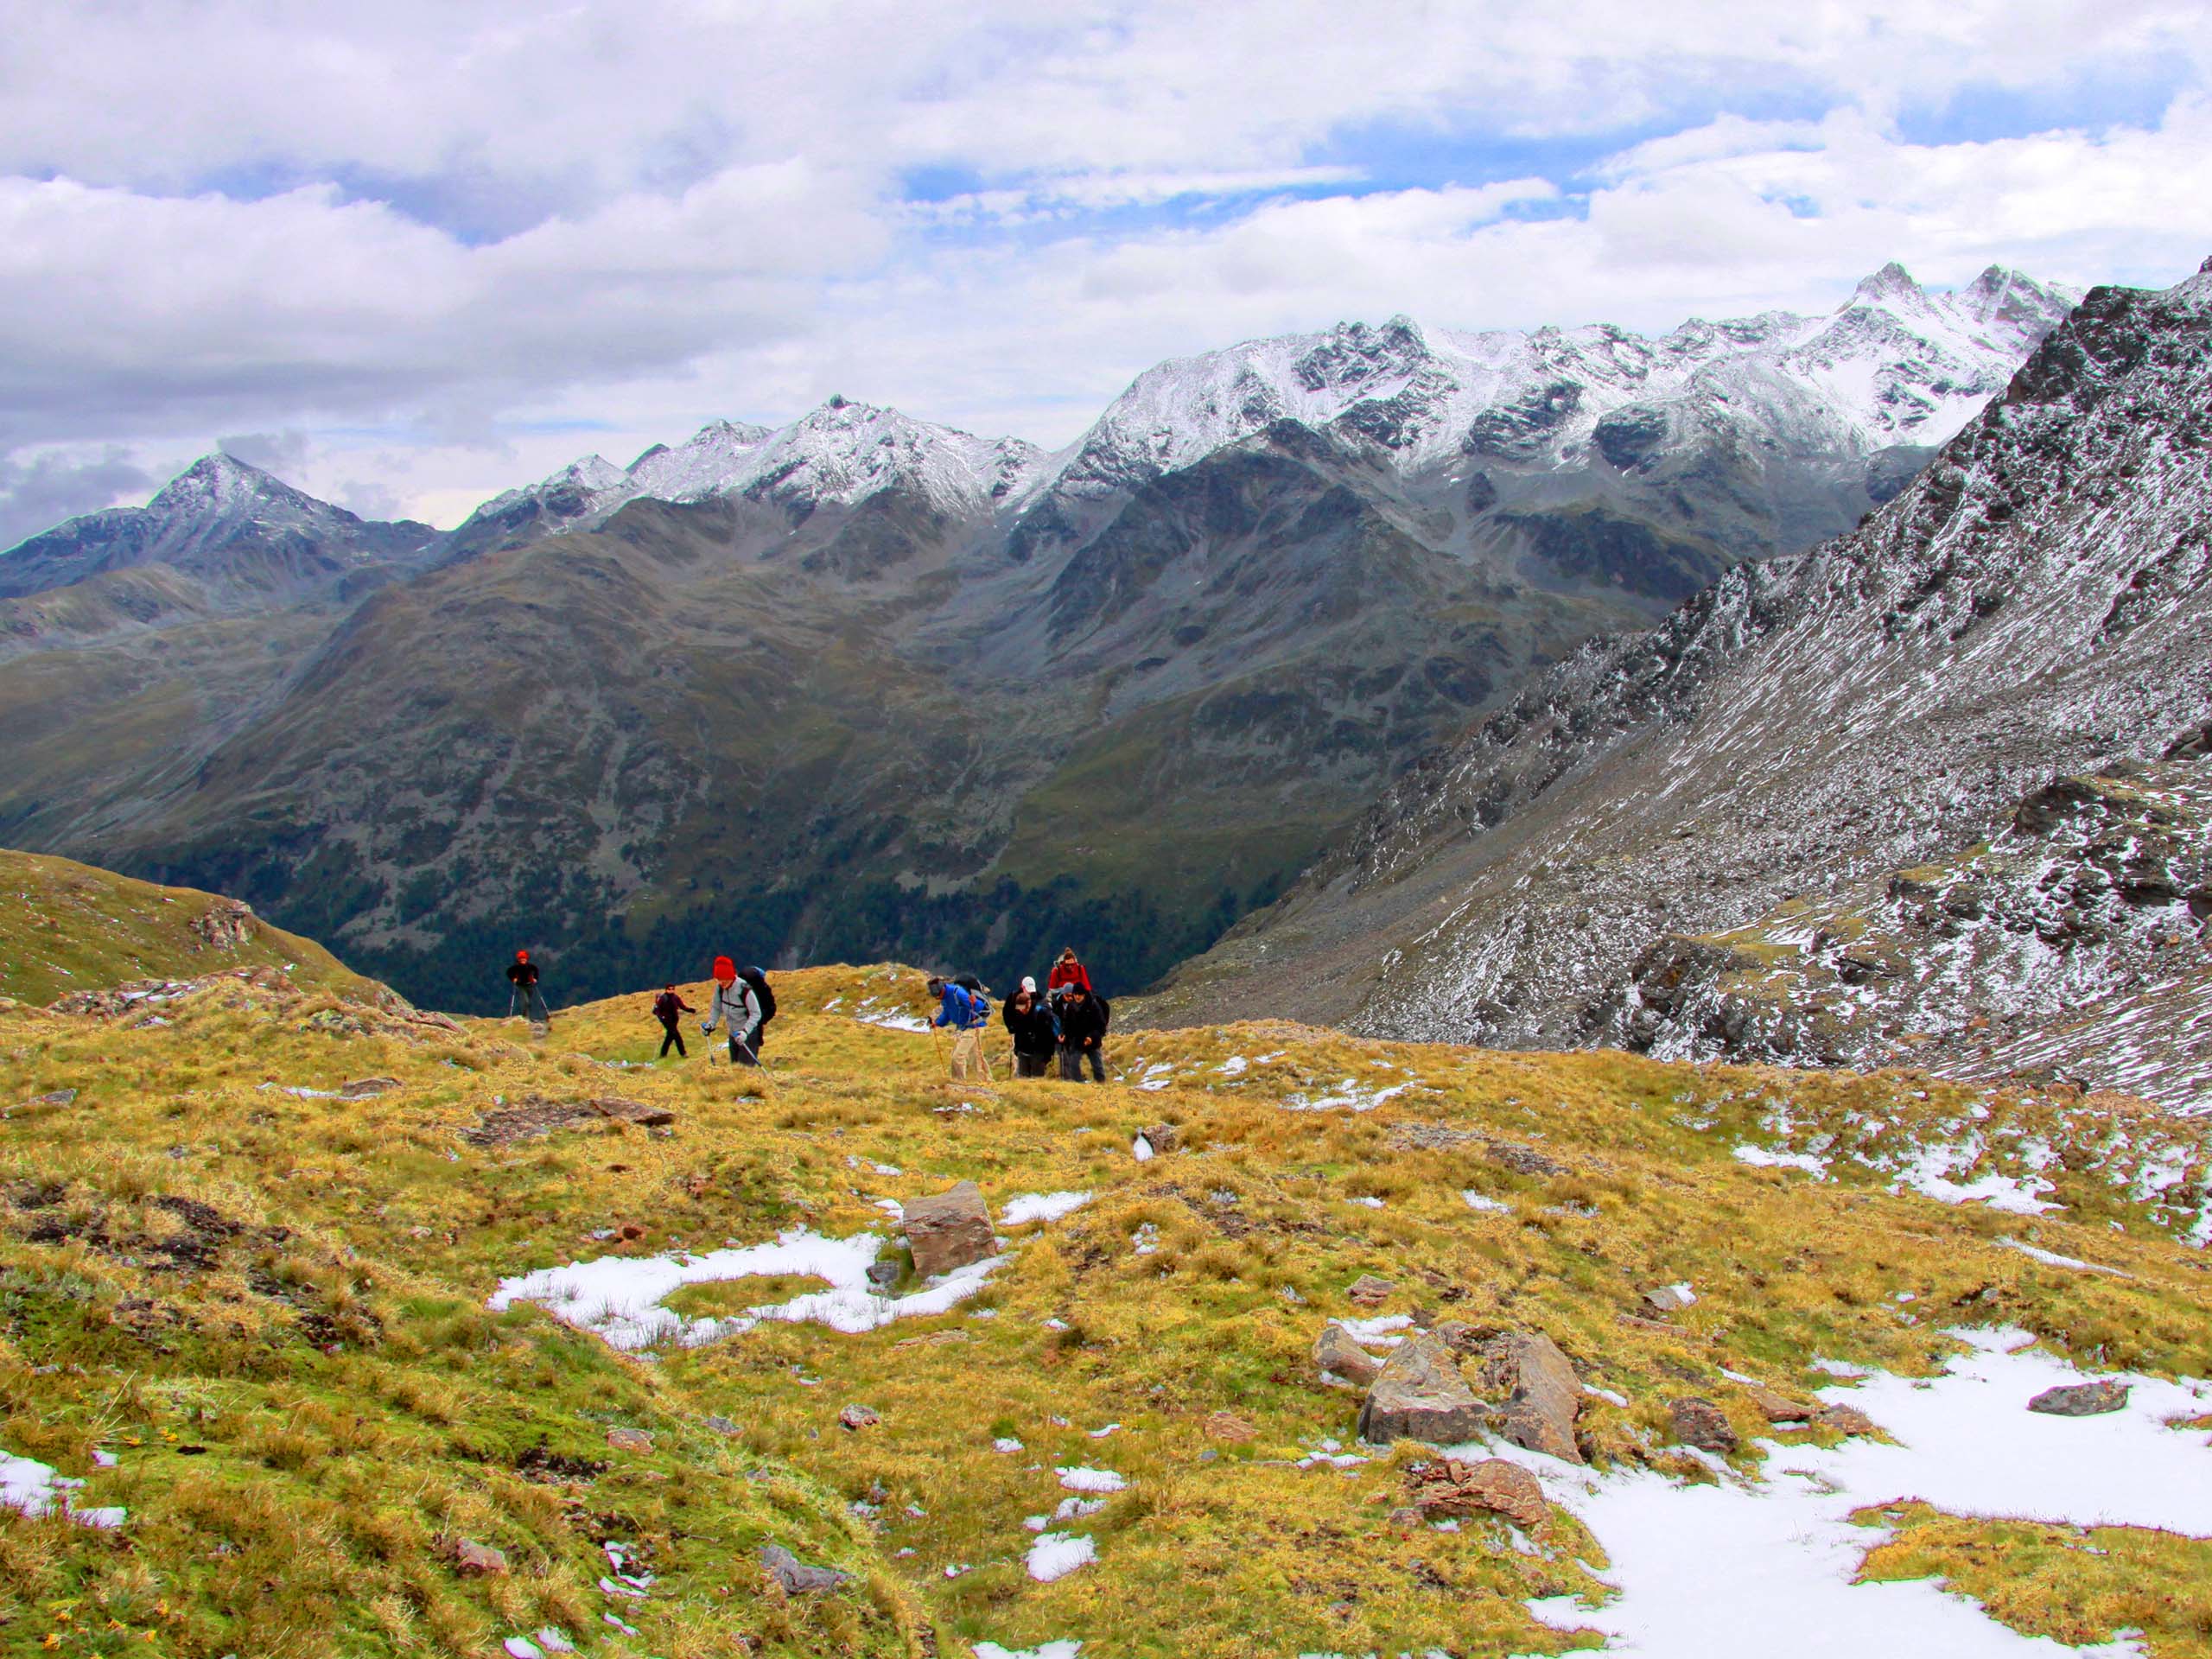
[(408, 255)]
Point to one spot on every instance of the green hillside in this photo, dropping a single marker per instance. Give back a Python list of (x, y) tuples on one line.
[(67, 927)]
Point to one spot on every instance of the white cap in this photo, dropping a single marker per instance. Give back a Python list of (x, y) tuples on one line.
[(1029, 984)]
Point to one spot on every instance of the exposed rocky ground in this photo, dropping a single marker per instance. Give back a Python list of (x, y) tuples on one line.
[(1800, 740)]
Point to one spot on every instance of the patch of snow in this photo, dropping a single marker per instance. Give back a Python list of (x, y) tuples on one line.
[(1369, 1200), (1780, 1555), (619, 1298), (1488, 1205), (1065, 1649), (1928, 1175), (38, 1488), (1006, 1443), (1378, 1329), (2052, 1259), (1141, 1148), (1056, 1554), (1079, 1479), (894, 1021), (1020, 1211), (1606, 1394), (1233, 1066), (1763, 1158)]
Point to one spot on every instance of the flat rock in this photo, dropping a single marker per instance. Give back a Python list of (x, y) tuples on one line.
[(798, 1578), (366, 1088), (858, 1416), (1846, 1420), (1228, 1425), (1458, 1335), (632, 1111), (1421, 1396), (629, 1439), (1335, 1350), (1661, 1299), (1368, 1291), (52, 1098), (1165, 1137), (1451, 1487), (479, 1561), (2081, 1400), (1526, 1371), (1778, 1407), (1700, 1423), (948, 1231)]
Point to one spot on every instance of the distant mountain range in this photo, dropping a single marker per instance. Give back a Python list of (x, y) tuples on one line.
[(1937, 791), (862, 685)]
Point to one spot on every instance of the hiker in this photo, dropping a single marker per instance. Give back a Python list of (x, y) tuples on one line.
[(765, 996), (669, 1007), (1082, 1034), (967, 1013), (522, 974), (1036, 1034), (734, 1004), (1067, 973)]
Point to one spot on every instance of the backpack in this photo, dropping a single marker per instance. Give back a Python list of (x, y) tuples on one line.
[(664, 1006), (759, 984), (969, 983)]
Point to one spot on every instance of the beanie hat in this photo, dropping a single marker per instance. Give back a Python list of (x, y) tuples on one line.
[(725, 969)]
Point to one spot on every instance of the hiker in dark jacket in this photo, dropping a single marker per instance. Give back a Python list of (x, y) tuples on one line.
[(765, 1000), (1036, 1034), (522, 974), (1082, 1034), (735, 1005), (669, 1007)]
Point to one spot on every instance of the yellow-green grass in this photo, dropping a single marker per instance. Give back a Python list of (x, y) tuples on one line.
[(2080, 1586), (66, 927), (400, 1229)]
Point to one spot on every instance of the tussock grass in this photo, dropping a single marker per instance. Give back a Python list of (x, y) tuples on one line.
[(318, 1328)]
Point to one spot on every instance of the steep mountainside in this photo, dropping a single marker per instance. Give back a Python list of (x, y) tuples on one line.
[(234, 529), (863, 686), (2033, 606)]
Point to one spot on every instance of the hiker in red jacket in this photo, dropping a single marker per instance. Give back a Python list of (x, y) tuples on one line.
[(1066, 972), (522, 974), (669, 1007)]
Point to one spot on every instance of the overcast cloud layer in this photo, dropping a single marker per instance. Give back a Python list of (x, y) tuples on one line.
[(412, 254)]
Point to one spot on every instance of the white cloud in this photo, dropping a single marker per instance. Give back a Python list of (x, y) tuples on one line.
[(459, 242)]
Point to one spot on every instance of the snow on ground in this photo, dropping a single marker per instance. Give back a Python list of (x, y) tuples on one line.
[(1927, 1175), (1764, 1160), (619, 1298), (2052, 1259), (1487, 1205), (894, 1021), (38, 1489), (1065, 1649), (1742, 1571), (1056, 1554), (1377, 1331), (1040, 1206), (1349, 1097), (1091, 1480)]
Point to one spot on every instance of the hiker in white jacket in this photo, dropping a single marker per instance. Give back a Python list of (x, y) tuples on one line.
[(735, 1006)]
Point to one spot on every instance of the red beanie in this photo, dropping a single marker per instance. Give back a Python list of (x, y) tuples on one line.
[(522, 955), (725, 969)]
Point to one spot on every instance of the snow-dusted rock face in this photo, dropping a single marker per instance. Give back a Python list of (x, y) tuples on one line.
[(223, 522), (2032, 605), (840, 454), (1896, 365)]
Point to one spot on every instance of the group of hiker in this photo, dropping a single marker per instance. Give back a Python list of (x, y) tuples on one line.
[(1066, 1022)]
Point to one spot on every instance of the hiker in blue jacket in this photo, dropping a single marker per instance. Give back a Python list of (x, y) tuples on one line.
[(966, 1012)]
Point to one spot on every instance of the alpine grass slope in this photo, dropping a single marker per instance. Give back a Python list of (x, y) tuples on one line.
[(862, 686), (1934, 788), (282, 1271)]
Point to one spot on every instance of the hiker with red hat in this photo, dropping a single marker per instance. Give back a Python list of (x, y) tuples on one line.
[(735, 1006), (522, 974)]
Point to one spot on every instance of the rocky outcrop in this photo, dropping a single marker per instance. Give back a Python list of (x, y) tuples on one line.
[(1593, 864), (1421, 1396), (1449, 1487), (1700, 1423), (948, 1231), (1337, 1353), (2082, 1400), (1538, 1394)]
